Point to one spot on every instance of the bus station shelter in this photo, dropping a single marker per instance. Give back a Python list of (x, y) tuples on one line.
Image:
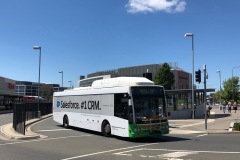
[(179, 102)]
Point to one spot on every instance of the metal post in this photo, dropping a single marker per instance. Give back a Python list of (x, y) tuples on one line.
[(193, 76), (70, 84), (205, 101), (62, 77), (220, 89), (192, 36), (39, 71)]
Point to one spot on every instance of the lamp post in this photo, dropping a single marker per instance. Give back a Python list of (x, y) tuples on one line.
[(219, 72), (39, 69), (62, 77), (70, 84), (192, 36), (232, 81)]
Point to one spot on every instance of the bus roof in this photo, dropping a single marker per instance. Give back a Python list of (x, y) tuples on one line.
[(121, 81), (118, 82)]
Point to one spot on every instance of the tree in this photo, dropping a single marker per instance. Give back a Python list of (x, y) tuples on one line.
[(216, 96), (46, 91), (231, 87), (164, 76)]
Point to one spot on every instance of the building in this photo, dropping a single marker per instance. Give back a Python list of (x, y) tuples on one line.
[(27, 88), (183, 79), (7, 92)]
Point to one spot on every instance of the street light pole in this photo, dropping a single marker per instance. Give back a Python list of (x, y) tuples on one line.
[(39, 71), (219, 72), (70, 84), (62, 77), (205, 95), (192, 36)]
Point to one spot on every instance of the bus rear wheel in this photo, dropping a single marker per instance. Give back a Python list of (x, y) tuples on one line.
[(65, 122), (106, 129)]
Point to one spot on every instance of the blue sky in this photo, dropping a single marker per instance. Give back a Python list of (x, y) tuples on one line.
[(80, 37)]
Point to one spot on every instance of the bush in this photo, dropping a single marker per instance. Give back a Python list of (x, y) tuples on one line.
[(236, 126)]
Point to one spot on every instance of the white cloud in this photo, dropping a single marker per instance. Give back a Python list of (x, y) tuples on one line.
[(169, 6)]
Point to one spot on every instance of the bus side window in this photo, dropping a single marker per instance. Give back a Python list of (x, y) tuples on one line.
[(121, 108)]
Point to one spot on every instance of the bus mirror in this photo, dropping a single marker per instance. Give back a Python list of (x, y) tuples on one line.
[(129, 102)]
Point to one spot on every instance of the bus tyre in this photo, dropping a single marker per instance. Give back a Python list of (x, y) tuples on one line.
[(65, 122), (106, 129)]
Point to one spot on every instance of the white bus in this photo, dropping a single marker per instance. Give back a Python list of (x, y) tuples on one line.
[(124, 106)]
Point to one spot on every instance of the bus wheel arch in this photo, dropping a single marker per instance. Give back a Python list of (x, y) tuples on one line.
[(65, 121), (106, 128)]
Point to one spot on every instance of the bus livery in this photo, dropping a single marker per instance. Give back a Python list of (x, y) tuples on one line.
[(124, 106)]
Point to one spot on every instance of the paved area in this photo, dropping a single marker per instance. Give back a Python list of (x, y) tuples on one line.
[(217, 123), (9, 133)]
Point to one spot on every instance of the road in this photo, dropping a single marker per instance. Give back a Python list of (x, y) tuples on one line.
[(73, 143), (6, 118)]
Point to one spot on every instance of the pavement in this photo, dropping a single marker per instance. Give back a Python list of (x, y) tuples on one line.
[(217, 123), (9, 133)]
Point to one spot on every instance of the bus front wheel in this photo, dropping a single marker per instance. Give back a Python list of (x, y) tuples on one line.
[(65, 122), (106, 129)]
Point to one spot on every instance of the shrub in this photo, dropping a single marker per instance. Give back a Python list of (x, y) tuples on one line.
[(236, 126)]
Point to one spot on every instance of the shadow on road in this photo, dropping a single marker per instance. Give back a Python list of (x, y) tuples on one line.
[(216, 116), (164, 138), (161, 139)]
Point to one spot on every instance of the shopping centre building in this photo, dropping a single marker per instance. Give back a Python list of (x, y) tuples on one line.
[(12, 91), (183, 79)]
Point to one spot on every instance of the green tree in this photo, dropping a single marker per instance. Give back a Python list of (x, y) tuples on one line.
[(231, 89), (46, 92), (164, 76), (216, 96)]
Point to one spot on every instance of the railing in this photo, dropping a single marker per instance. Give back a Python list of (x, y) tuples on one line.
[(26, 111)]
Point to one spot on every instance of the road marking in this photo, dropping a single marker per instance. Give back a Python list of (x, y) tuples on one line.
[(202, 135), (194, 124), (173, 155), (174, 150), (123, 153), (91, 154), (47, 139), (52, 130)]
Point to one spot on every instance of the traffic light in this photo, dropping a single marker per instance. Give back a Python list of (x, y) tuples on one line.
[(198, 76), (148, 76)]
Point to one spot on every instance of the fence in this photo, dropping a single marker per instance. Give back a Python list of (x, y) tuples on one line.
[(26, 111)]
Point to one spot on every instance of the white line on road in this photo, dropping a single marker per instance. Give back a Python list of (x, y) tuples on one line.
[(194, 124), (52, 130), (174, 150), (47, 139), (172, 155), (202, 135), (91, 154)]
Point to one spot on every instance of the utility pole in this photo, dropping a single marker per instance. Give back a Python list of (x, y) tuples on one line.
[(205, 95)]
